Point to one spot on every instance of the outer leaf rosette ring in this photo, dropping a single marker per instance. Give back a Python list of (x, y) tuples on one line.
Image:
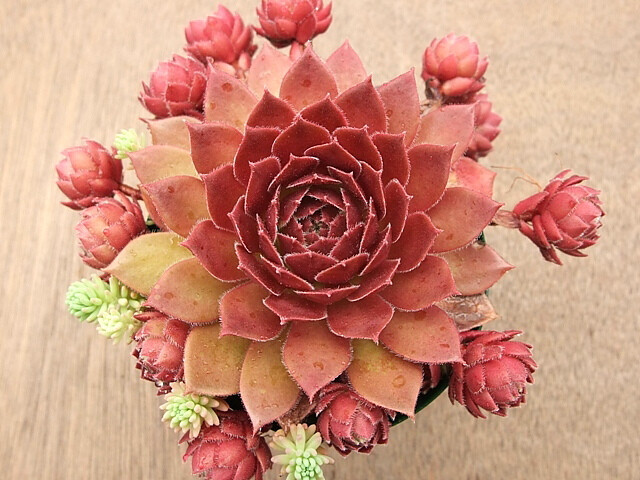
[(311, 223)]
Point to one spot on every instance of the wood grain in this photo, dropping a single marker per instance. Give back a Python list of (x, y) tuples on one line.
[(565, 76)]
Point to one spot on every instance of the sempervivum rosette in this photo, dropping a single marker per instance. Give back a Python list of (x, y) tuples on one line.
[(310, 221), (312, 267)]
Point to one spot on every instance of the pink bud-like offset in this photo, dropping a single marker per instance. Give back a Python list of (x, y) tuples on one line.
[(287, 21), (486, 127), (493, 374), (229, 451), (107, 227), (453, 66), (565, 216), (221, 37), (348, 422), (160, 349), (88, 173), (176, 88)]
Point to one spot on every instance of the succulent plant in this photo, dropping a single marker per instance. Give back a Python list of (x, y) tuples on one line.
[(493, 373), (187, 412), (486, 127), (221, 37), (452, 65), (299, 452), (314, 250), (176, 88), (88, 173), (127, 141), (348, 422), (565, 216), (160, 349), (228, 451), (336, 228), (286, 21), (107, 227)]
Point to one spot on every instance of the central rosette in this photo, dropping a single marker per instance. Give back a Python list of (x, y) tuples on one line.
[(314, 220), (320, 232)]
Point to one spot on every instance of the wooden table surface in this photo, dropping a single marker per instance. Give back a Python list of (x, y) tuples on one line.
[(564, 75)]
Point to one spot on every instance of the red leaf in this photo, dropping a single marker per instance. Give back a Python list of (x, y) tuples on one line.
[(383, 378), (255, 146), (291, 307), (414, 243), (427, 336), (271, 112), (307, 81), (266, 388), (227, 99), (430, 167), (325, 113), (267, 70), (346, 67), (476, 268), (222, 192), (314, 356), (243, 313), (365, 318), (188, 292), (179, 201), (402, 105), (215, 250), (395, 160), (449, 125), (213, 145), (212, 364), (462, 214), (421, 287), (363, 106)]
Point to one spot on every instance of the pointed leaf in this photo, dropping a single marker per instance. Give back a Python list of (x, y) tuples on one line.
[(395, 160), (188, 292), (449, 125), (476, 268), (179, 201), (222, 193), (462, 214), (427, 336), (365, 318), (266, 388), (290, 307), (271, 112), (314, 356), (227, 99), (430, 167), (470, 174), (402, 105), (215, 249), (421, 287), (362, 106), (346, 66), (243, 313), (414, 243), (308, 81), (383, 378), (161, 161), (212, 364), (213, 145), (267, 70), (171, 131), (145, 258)]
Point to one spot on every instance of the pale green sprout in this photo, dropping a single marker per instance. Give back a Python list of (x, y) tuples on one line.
[(128, 141), (111, 305), (299, 453), (188, 412)]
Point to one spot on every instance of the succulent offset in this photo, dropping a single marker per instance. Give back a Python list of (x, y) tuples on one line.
[(313, 253)]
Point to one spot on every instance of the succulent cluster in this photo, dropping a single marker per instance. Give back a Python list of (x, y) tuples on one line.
[(311, 253)]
